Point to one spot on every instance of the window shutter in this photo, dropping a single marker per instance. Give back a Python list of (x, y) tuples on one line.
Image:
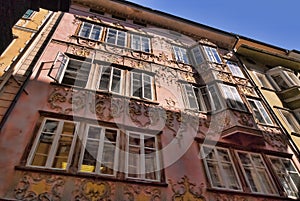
[(59, 66)]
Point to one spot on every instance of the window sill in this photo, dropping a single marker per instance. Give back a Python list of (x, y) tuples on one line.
[(68, 173), (241, 193)]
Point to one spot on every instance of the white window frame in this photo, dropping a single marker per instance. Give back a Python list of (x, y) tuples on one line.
[(181, 54), (54, 146), (212, 54), (143, 82), (235, 69), (290, 120), (232, 97), (197, 55), (100, 152), (62, 61), (215, 96), (111, 76), (289, 187), (116, 37), (261, 110), (260, 182), (91, 29), (222, 176), (198, 98), (262, 80), (140, 43), (141, 159), (286, 75)]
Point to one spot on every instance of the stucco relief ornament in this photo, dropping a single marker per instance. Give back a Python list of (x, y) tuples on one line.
[(186, 191), (93, 191), (81, 51), (34, 186), (139, 193)]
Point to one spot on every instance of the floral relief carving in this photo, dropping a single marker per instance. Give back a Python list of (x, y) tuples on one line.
[(139, 113), (34, 186), (186, 191), (230, 197), (244, 119), (138, 193), (86, 42), (167, 75), (105, 107), (274, 137), (249, 91), (65, 100), (93, 191), (226, 77), (187, 76)]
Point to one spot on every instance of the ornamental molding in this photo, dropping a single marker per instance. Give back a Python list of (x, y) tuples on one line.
[(184, 190), (35, 186), (93, 190), (139, 193)]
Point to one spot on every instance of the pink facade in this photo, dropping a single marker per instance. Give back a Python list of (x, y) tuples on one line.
[(178, 152)]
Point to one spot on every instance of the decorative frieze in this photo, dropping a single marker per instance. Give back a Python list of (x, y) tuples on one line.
[(35, 186)]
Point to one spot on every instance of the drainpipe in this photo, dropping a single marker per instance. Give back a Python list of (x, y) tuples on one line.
[(47, 40), (291, 142)]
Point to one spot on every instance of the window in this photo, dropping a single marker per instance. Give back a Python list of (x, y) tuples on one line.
[(259, 112), (263, 80), (181, 54), (100, 151), (215, 97), (197, 55), (195, 97), (111, 79), (116, 37), (79, 72), (256, 174), (90, 31), (220, 169), (140, 43), (283, 78), (235, 69), (54, 144), (288, 175), (142, 85), (142, 157), (71, 71), (232, 96), (29, 13), (290, 121), (212, 54)]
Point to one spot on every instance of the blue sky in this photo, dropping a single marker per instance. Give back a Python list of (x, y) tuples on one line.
[(275, 22)]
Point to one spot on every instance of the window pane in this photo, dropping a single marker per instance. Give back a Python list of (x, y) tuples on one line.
[(111, 36), (77, 73), (105, 78), (121, 38), (197, 55), (191, 98), (96, 32), (90, 156), (136, 84), (145, 44), (85, 30), (135, 43), (282, 84)]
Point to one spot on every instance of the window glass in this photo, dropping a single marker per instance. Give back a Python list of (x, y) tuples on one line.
[(288, 175), (212, 54), (181, 54), (142, 157), (235, 69), (142, 85), (140, 43), (256, 173), (54, 144), (90, 31), (116, 37), (259, 112), (220, 169), (232, 97)]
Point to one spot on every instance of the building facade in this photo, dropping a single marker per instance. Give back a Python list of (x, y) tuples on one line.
[(126, 103)]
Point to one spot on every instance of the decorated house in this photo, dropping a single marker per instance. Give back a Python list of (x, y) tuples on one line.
[(130, 104)]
